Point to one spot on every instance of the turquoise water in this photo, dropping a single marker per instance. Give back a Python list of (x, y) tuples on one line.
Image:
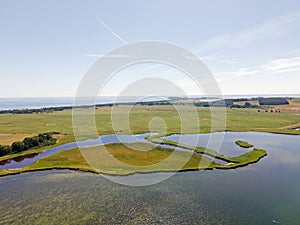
[(267, 192)]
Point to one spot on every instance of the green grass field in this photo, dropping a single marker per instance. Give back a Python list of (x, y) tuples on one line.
[(237, 120), (139, 119)]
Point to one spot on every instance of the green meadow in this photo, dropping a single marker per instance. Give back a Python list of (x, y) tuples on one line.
[(147, 159), (140, 116), (139, 119)]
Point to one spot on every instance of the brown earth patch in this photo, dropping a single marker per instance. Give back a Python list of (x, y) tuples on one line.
[(9, 138)]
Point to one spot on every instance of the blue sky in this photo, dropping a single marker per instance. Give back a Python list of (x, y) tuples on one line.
[(251, 47)]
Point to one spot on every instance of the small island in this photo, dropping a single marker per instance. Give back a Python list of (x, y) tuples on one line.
[(52, 127), (144, 160), (243, 144)]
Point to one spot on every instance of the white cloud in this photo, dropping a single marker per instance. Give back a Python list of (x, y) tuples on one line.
[(275, 66), (270, 29), (282, 65)]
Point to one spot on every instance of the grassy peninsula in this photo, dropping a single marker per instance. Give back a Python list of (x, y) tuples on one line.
[(14, 127), (142, 161)]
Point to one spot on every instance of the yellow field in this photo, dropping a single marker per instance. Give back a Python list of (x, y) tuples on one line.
[(8, 138)]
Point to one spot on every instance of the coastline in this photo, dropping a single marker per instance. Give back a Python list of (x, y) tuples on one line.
[(232, 162), (239, 120)]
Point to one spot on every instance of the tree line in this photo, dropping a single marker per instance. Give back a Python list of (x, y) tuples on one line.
[(273, 101), (62, 108), (31, 111), (231, 102), (37, 141)]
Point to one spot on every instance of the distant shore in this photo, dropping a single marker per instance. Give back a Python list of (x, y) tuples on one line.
[(14, 103)]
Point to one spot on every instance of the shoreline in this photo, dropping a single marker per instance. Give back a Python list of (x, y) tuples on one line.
[(232, 162), (69, 100), (125, 175)]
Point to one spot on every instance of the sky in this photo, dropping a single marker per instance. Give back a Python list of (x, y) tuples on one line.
[(250, 47)]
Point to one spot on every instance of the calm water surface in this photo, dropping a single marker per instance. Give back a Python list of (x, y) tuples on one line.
[(267, 192), (26, 160)]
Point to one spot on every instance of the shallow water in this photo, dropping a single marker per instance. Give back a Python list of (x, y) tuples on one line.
[(221, 162), (261, 193), (228, 146), (26, 160)]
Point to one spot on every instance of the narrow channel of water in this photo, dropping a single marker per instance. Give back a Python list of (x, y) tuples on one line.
[(228, 146), (29, 159), (26, 160)]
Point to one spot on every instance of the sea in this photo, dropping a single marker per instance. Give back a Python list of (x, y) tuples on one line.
[(44, 102)]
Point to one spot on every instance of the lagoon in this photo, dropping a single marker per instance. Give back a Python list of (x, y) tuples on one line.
[(227, 148), (26, 160), (267, 192)]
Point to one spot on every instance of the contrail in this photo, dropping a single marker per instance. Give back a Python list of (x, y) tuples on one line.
[(112, 32)]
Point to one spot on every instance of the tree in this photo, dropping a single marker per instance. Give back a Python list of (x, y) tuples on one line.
[(17, 147), (273, 101), (41, 138), (31, 142), (5, 150), (247, 105), (48, 136)]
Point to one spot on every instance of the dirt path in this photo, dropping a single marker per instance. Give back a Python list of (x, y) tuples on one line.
[(296, 125)]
